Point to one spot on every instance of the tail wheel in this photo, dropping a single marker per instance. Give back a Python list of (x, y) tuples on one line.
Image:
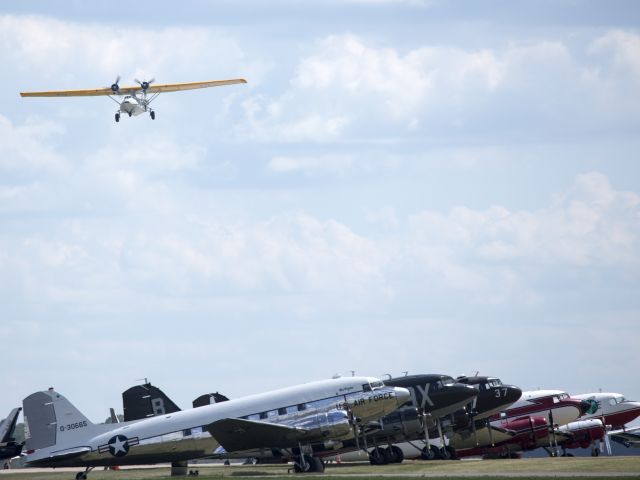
[(153, 115), (117, 117)]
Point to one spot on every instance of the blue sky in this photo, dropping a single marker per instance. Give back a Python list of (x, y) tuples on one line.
[(420, 186)]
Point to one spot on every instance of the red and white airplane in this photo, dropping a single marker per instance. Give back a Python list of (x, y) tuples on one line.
[(607, 415), (529, 423)]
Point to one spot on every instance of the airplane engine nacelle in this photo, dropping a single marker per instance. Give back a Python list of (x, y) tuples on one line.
[(331, 423), (583, 432), (528, 430)]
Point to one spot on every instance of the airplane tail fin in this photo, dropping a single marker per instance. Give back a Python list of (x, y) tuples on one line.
[(8, 425), (208, 399), (143, 401), (50, 419)]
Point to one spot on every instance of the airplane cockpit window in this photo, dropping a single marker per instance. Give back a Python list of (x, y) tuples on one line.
[(563, 396), (556, 399), (437, 385), (619, 399), (494, 382), (367, 387), (448, 380)]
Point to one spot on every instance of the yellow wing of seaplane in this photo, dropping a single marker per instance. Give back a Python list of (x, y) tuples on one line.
[(137, 98)]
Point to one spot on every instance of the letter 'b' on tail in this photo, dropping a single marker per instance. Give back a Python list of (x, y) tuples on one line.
[(50, 419)]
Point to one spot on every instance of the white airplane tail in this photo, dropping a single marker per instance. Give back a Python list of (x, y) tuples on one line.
[(51, 420)]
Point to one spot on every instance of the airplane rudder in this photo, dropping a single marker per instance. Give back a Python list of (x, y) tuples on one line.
[(50, 419)]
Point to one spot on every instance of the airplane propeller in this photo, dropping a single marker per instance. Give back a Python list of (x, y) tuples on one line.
[(145, 84), (607, 443), (115, 88), (553, 434), (353, 420)]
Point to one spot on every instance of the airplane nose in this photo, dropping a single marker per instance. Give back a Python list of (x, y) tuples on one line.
[(513, 393), (402, 395)]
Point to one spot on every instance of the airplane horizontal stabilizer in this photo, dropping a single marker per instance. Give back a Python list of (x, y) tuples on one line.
[(59, 456), (235, 434)]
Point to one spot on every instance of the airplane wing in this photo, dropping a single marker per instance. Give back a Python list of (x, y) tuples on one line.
[(130, 90), (236, 434), (8, 424), (629, 437)]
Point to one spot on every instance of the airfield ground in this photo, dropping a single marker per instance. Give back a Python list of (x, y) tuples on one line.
[(522, 469)]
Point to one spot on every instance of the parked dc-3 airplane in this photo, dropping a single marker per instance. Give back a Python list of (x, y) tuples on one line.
[(529, 423), (607, 412), (135, 101), (442, 415), (290, 418)]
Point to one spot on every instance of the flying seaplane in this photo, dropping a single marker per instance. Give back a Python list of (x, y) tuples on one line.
[(137, 98)]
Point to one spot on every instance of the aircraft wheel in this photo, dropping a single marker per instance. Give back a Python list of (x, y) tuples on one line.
[(81, 476), (117, 117), (129, 114), (452, 452), (307, 467), (395, 453), (430, 453), (445, 454), (567, 454), (595, 452), (378, 456), (318, 465), (153, 115)]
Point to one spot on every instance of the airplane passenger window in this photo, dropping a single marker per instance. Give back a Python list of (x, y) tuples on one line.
[(263, 415), (255, 416), (272, 413), (302, 407), (292, 409)]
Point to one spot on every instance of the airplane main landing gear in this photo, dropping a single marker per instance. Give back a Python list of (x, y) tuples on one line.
[(430, 453), (153, 115), (307, 463), (83, 475), (117, 116)]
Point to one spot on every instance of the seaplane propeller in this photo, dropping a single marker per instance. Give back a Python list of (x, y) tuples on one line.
[(144, 84), (115, 88)]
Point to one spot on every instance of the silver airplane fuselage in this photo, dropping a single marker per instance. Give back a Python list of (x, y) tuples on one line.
[(322, 410)]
